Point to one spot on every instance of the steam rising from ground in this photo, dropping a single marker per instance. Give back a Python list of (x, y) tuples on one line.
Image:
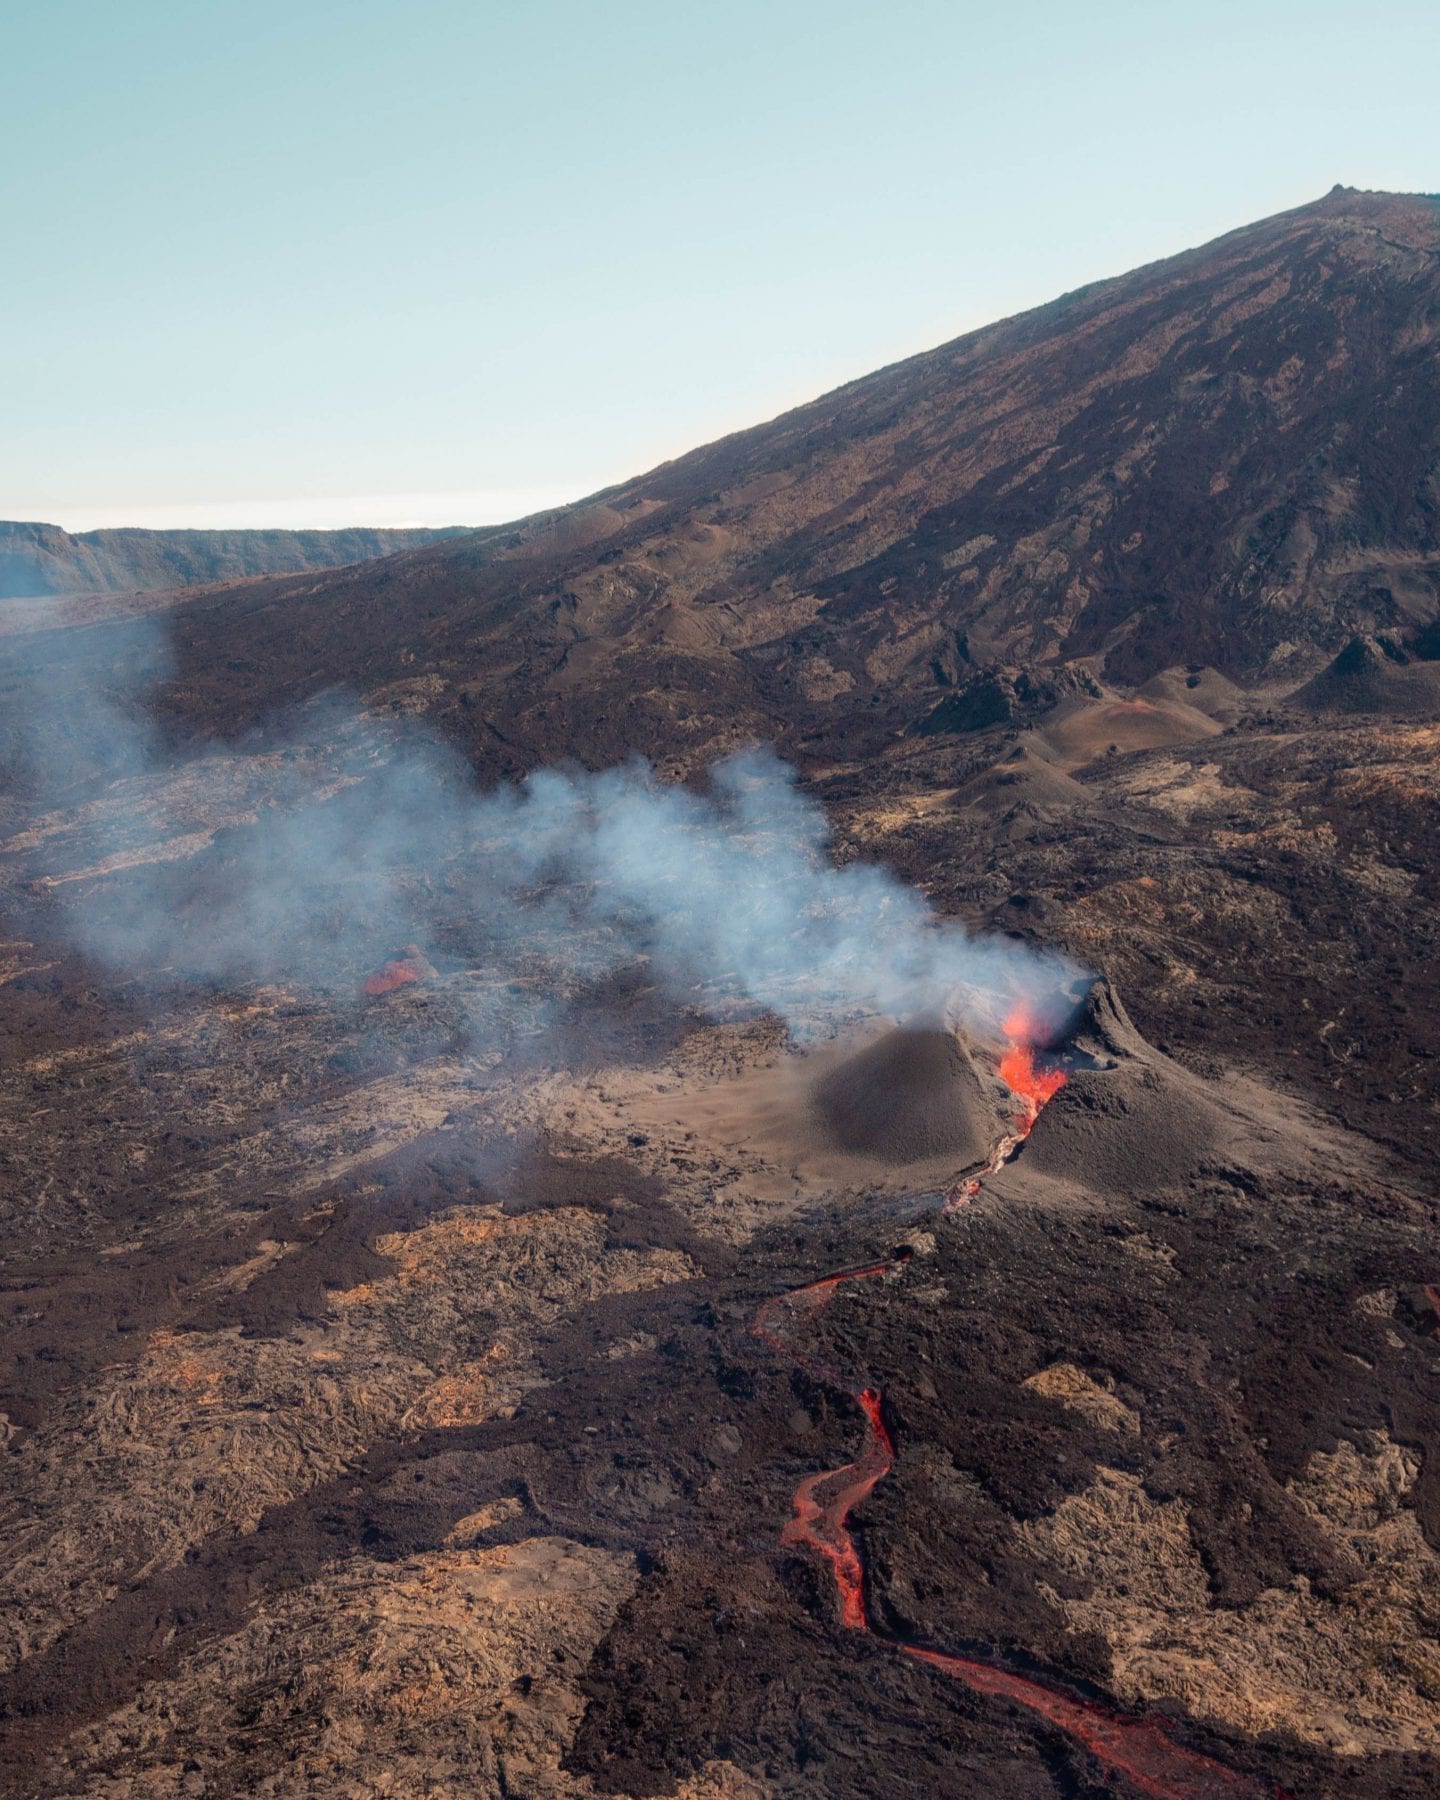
[(341, 837)]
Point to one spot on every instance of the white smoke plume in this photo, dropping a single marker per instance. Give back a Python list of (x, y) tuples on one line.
[(341, 838)]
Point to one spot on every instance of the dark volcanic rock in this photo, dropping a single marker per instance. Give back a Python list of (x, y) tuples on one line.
[(1003, 696), (1374, 675)]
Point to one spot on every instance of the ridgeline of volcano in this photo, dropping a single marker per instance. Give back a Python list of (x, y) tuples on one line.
[(1228, 459)]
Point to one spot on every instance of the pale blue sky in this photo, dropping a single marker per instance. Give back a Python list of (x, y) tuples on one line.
[(310, 263)]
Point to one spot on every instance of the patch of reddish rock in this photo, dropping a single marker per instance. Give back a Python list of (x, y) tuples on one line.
[(411, 965)]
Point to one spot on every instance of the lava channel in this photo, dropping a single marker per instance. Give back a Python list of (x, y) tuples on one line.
[(1033, 1089), (1140, 1750)]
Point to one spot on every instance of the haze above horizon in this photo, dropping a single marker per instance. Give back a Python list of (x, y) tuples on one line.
[(311, 264)]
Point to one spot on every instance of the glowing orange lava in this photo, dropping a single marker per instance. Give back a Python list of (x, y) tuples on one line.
[(1136, 1748), (1140, 1750), (389, 976), (1032, 1087), (823, 1502)]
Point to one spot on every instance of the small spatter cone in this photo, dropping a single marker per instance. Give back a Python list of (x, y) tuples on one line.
[(410, 966), (1103, 1031)]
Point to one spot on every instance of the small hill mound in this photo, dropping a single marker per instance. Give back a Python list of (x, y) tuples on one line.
[(1081, 734), (1205, 690), (1129, 1120), (909, 1096), (1022, 790), (1373, 675)]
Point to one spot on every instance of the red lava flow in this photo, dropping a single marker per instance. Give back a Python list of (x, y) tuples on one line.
[(1138, 1749), (1033, 1088), (389, 976), (824, 1502)]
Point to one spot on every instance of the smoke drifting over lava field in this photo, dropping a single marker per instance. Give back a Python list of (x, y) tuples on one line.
[(773, 1136)]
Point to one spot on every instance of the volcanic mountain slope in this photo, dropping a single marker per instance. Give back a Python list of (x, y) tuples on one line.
[(1228, 458), (394, 1396), (42, 559)]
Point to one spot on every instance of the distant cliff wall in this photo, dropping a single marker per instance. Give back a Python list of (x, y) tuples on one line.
[(43, 559)]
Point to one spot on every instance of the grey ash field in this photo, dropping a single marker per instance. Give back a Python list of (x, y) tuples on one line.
[(383, 1409)]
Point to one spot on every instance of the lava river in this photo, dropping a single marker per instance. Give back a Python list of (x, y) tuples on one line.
[(1139, 1750)]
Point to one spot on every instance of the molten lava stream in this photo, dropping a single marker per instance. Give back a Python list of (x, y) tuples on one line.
[(1140, 1750), (825, 1501), (1033, 1089)]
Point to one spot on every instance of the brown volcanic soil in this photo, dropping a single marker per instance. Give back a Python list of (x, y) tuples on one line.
[(383, 1413), (355, 1379), (911, 1096)]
